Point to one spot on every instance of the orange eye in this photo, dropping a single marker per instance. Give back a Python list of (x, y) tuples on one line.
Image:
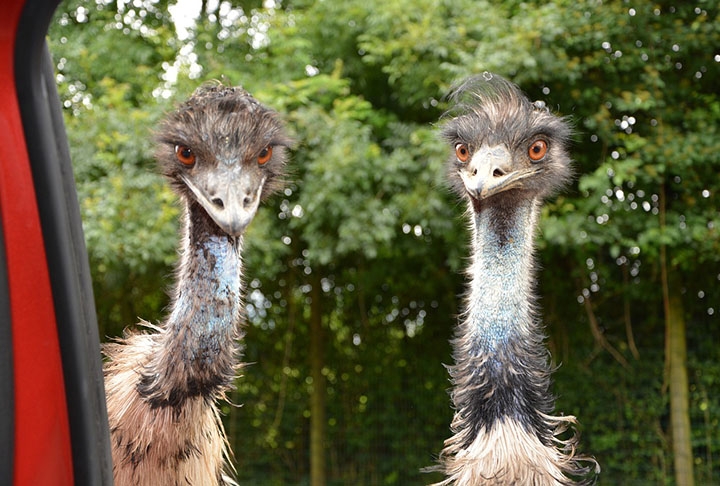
[(537, 150), (265, 155), (185, 155), (462, 152)]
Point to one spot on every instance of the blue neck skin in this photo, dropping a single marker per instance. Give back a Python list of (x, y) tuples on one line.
[(207, 307), (500, 306)]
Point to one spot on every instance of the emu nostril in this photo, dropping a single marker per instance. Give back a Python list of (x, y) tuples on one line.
[(218, 202), (498, 173), (247, 201)]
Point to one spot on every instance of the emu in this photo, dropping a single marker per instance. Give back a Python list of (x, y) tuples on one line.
[(507, 155), (222, 152)]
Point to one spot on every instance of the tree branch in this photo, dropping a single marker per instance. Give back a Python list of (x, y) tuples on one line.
[(600, 337)]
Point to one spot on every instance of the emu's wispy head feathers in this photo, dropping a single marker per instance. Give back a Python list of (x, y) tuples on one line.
[(502, 143), (226, 151)]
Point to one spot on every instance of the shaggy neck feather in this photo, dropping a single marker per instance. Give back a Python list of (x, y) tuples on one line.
[(501, 370), (503, 428), (197, 350)]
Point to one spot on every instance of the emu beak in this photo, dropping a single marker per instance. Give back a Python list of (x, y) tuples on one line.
[(490, 172), (229, 195)]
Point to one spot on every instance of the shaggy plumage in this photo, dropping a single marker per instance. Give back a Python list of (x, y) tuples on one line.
[(223, 152), (507, 155)]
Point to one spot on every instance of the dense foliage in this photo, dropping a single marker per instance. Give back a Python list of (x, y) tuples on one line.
[(365, 247)]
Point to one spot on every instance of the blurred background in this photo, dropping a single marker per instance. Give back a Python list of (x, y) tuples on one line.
[(355, 271)]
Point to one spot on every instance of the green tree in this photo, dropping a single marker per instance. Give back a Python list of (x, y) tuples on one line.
[(128, 214), (355, 269)]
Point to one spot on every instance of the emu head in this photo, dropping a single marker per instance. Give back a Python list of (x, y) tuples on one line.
[(503, 145), (224, 151)]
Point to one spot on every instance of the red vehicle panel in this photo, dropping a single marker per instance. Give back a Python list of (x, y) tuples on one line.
[(51, 399)]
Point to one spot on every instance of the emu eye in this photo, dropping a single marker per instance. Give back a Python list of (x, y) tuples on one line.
[(462, 152), (264, 155), (537, 150), (185, 155)]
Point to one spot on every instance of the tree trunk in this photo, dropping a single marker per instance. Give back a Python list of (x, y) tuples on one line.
[(676, 367), (317, 394), (679, 394)]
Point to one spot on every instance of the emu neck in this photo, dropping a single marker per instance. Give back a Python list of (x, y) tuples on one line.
[(503, 428), (500, 304), (501, 370), (207, 301), (196, 354)]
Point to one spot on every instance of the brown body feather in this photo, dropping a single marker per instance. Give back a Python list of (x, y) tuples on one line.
[(508, 454), (164, 445)]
